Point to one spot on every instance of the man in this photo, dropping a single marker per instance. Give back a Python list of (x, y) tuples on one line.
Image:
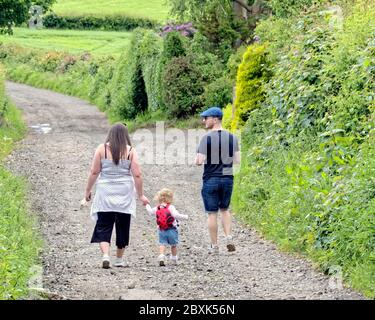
[(217, 150)]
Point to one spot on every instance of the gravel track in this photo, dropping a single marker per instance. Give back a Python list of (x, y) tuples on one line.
[(55, 158)]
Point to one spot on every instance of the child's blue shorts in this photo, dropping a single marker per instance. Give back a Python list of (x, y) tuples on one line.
[(168, 237)]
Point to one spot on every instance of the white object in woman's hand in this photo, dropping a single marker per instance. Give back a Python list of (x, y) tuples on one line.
[(84, 203)]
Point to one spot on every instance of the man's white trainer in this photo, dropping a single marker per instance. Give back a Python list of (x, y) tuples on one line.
[(230, 245), (213, 249)]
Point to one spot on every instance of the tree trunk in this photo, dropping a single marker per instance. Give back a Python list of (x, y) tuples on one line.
[(243, 10), (241, 6)]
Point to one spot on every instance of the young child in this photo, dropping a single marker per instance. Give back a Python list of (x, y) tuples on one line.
[(166, 218)]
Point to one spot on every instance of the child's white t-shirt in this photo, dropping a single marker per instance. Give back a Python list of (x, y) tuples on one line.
[(175, 214)]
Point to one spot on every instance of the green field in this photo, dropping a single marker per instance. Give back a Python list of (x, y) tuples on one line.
[(153, 9), (98, 43)]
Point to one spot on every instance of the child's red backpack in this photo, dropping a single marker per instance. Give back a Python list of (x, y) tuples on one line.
[(164, 218)]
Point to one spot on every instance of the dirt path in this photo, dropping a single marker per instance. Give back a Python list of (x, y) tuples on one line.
[(55, 157)]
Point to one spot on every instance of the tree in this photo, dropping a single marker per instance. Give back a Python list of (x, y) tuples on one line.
[(15, 12), (194, 9), (46, 4), (226, 23)]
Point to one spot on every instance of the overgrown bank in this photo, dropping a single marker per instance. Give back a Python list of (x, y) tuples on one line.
[(307, 177), (19, 243)]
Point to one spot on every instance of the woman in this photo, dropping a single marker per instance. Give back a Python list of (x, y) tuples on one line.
[(116, 164)]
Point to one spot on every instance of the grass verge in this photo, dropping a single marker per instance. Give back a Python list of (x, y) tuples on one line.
[(19, 242)]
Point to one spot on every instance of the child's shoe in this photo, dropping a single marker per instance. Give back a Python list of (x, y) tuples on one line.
[(161, 259), (173, 260)]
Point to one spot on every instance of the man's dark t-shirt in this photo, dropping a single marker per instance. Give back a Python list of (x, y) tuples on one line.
[(219, 147)]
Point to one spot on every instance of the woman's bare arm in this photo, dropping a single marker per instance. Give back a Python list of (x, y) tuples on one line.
[(94, 173), (137, 175)]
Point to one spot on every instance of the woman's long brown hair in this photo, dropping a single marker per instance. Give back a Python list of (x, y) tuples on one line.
[(118, 138)]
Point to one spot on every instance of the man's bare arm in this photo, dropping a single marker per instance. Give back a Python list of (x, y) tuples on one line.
[(237, 157), (199, 159)]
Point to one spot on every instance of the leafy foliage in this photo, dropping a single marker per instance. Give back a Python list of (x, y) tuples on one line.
[(46, 4), (216, 20), (209, 65), (19, 244), (307, 174), (13, 12), (286, 8), (227, 117), (204, 69), (126, 87), (173, 46), (252, 73), (218, 92), (135, 86), (185, 29), (113, 22), (182, 87)]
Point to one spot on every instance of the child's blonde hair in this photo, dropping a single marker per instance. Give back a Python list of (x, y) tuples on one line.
[(164, 195)]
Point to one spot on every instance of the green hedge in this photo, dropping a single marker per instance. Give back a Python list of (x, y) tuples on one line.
[(183, 87), (307, 176), (134, 88), (218, 92), (82, 75), (140, 81), (253, 73), (115, 23)]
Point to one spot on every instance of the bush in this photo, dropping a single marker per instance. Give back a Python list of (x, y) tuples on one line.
[(217, 22), (79, 75), (126, 81), (227, 117), (51, 61), (182, 87), (102, 71), (173, 46), (115, 23), (151, 51), (218, 92), (200, 64), (234, 62), (208, 64), (286, 8), (252, 74), (135, 87)]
